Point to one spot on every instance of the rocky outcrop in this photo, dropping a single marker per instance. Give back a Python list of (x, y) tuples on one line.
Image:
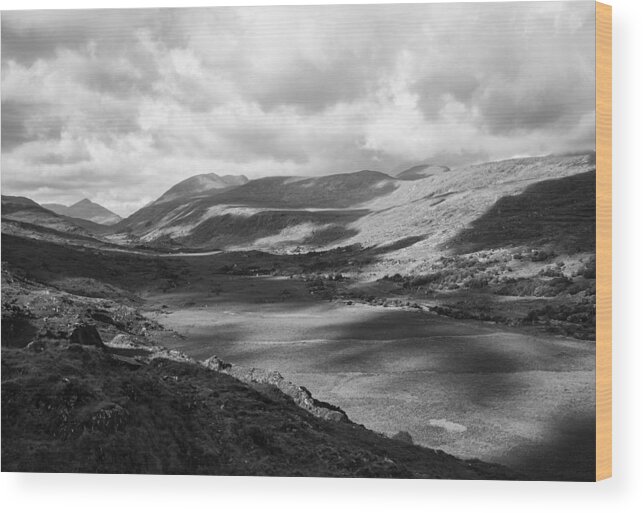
[(86, 335), (300, 395), (216, 364)]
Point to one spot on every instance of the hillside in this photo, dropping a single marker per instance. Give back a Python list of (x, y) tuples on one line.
[(441, 206), (87, 210)]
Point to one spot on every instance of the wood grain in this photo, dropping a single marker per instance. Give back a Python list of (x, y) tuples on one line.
[(603, 241)]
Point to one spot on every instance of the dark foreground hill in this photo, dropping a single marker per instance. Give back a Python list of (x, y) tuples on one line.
[(79, 410)]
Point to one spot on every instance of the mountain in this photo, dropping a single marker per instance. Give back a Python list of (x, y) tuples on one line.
[(417, 215), (199, 184), (259, 208), (85, 209)]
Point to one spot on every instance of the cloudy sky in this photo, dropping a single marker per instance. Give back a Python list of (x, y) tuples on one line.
[(118, 105)]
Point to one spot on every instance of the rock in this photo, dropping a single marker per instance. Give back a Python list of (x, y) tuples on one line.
[(86, 335), (171, 354), (332, 415), (215, 363), (107, 418), (123, 340)]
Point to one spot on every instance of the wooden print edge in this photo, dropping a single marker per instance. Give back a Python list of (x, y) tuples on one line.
[(603, 241)]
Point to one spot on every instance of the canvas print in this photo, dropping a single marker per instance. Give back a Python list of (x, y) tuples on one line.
[(341, 241)]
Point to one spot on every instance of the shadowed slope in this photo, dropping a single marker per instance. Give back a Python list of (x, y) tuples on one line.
[(559, 213)]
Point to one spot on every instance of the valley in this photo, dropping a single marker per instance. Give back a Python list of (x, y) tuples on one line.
[(454, 306)]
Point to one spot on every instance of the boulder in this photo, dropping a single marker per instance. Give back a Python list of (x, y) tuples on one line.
[(403, 436), (125, 340)]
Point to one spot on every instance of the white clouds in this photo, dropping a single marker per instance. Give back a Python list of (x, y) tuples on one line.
[(120, 105)]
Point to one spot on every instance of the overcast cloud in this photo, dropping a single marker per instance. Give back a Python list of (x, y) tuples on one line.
[(118, 105)]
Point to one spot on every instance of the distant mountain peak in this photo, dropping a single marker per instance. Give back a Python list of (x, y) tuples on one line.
[(85, 209), (84, 202)]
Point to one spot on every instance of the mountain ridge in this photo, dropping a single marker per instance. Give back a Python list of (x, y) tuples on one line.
[(199, 184)]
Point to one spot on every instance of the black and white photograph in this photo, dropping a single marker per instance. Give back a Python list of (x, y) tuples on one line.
[(300, 241)]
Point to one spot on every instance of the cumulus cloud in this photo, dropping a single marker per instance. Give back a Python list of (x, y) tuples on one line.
[(118, 105)]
